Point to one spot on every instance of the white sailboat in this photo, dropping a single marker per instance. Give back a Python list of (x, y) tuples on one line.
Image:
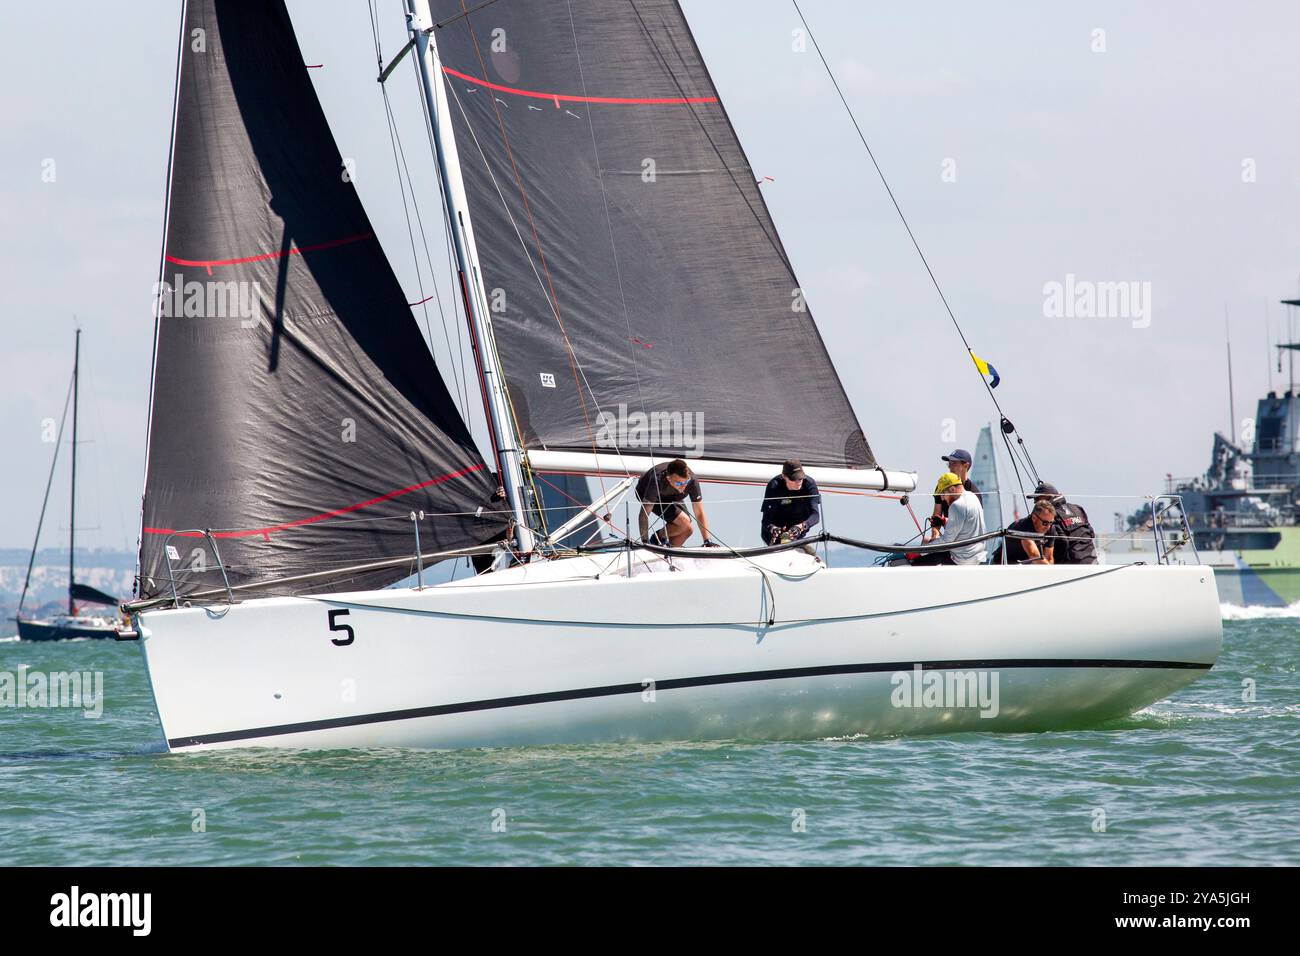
[(268, 540)]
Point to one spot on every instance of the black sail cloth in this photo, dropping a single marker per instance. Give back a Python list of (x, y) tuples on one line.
[(296, 410), (641, 298)]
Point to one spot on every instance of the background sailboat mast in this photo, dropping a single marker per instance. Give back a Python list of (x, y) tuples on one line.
[(420, 24), (72, 520)]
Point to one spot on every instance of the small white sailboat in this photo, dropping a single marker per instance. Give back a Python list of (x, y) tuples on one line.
[(614, 254)]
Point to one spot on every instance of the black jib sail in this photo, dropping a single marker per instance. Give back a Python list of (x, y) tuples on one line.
[(641, 298), (296, 410)]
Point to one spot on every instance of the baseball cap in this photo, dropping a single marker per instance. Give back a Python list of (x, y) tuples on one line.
[(1045, 489), (958, 454), (946, 481), (792, 469)]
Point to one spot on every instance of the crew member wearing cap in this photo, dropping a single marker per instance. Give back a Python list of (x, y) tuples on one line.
[(965, 521), (959, 462), (1073, 539), (792, 505)]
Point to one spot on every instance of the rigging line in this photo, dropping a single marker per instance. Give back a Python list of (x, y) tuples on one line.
[(410, 234), (764, 218), (460, 376), (609, 223), (450, 20), (528, 255), (1011, 454), (897, 208), (461, 281), (395, 142), (582, 506), (762, 572), (455, 361), (769, 234), (374, 32), (49, 485), (449, 241), (482, 384), (457, 365), (162, 271), (532, 224), (575, 366)]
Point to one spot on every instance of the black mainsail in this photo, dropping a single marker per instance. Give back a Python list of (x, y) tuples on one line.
[(641, 297), (296, 409)]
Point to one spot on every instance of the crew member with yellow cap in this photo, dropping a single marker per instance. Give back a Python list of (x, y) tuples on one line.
[(965, 521)]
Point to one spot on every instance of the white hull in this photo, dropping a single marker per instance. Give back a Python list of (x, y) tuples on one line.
[(549, 653)]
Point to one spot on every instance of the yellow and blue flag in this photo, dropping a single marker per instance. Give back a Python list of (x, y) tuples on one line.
[(987, 369)]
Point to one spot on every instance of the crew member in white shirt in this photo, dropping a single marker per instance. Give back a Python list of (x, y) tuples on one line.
[(965, 521)]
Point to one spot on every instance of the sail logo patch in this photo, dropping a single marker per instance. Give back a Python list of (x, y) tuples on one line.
[(548, 380)]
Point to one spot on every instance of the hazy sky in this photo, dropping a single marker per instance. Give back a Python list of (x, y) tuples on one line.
[(1171, 158)]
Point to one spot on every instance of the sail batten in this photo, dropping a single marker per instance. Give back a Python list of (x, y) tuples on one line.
[(297, 414), (642, 301)]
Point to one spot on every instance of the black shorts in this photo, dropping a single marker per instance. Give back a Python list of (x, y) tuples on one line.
[(669, 511)]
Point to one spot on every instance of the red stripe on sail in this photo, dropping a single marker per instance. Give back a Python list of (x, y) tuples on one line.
[(557, 98), (293, 251), (268, 531)]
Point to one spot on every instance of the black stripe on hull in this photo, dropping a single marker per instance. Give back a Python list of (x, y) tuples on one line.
[(678, 683)]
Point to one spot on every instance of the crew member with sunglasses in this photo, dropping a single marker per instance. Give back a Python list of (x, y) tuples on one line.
[(1072, 532), (662, 489), (1029, 550)]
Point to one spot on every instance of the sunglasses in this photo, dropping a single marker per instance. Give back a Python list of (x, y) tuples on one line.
[(679, 484)]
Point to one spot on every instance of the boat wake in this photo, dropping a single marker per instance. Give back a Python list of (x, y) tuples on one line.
[(1252, 612)]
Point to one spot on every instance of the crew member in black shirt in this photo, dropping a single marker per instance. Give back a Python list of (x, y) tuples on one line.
[(1030, 550), (791, 505), (1073, 537), (661, 490)]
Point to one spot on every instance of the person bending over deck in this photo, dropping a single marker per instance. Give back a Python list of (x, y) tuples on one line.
[(791, 507), (1072, 533), (662, 489), (965, 520), (1027, 550)]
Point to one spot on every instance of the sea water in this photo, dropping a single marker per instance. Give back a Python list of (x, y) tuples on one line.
[(1208, 776)]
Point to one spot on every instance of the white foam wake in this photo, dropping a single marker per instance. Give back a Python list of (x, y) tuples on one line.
[(1252, 612)]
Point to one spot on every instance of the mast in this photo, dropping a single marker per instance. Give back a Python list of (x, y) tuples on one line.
[(420, 24), (1268, 347), (72, 521), (1232, 408)]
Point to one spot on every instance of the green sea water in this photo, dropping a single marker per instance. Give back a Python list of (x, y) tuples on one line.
[(1204, 777)]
